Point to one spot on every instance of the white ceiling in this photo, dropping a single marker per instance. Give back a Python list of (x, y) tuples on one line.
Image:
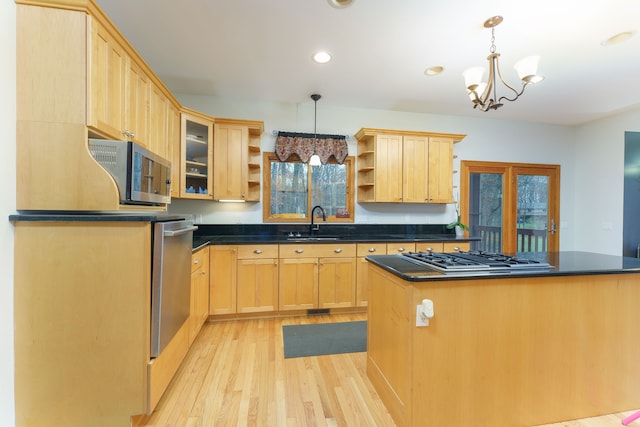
[(261, 50)]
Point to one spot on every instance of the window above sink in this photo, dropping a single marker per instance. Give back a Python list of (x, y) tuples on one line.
[(292, 188)]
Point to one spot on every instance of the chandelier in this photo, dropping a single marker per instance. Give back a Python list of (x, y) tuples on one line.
[(484, 95)]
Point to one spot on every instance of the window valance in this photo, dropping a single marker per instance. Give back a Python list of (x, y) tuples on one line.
[(305, 144)]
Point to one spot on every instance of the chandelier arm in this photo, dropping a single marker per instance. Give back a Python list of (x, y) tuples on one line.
[(505, 83), (524, 85)]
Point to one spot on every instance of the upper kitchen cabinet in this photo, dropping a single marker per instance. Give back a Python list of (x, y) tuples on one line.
[(77, 78), (175, 147), (118, 89), (405, 167), (196, 178), (236, 160)]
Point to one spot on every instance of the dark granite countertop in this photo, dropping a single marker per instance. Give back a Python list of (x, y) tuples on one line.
[(352, 233), (569, 263)]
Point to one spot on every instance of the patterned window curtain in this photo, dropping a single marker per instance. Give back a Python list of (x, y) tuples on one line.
[(304, 145)]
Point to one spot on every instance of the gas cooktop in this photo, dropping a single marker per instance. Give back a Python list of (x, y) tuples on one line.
[(473, 261)]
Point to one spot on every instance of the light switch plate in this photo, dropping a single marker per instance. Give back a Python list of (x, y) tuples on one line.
[(420, 320)]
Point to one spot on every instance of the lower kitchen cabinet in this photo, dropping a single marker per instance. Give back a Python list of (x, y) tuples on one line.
[(199, 292), (81, 322), (222, 279), (337, 282), (270, 278), (317, 276), (298, 284), (362, 277), (257, 279)]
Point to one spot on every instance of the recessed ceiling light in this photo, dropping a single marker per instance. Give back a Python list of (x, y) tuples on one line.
[(618, 38), (339, 4), (322, 57), (434, 71)]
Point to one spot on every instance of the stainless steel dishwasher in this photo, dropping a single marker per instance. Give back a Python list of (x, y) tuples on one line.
[(170, 280)]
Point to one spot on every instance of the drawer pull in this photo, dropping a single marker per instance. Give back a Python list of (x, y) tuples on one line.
[(429, 249), (401, 249), (372, 249), (257, 251), (337, 250), (299, 251), (457, 249), (196, 261)]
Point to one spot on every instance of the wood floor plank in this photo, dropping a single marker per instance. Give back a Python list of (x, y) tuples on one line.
[(236, 375)]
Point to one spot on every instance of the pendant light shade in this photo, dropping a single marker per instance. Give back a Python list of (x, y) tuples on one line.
[(315, 159)]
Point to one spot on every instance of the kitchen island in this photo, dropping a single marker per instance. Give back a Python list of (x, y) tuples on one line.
[(518, 348)]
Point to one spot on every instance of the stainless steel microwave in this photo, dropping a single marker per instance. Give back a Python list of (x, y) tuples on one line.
[(142, 177)]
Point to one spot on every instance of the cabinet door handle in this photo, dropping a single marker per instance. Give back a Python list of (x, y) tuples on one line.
[(372, 249), (203, 273), (337, 250), (257, 251), (196, 261), (299, 251)]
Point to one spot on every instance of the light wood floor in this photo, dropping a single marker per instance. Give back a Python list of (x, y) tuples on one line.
[(235, 375)]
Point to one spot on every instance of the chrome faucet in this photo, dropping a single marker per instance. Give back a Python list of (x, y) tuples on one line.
[(315, 227)]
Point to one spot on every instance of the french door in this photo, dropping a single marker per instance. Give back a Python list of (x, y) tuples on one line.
[(512, 207)]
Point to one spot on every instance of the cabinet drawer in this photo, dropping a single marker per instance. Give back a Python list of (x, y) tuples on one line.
[(199, 258), (329, 250), (456, 246), (429, 246), (366, 249), (257, 251), (400, 247)]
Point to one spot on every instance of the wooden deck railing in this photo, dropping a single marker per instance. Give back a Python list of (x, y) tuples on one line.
[(529, 240)]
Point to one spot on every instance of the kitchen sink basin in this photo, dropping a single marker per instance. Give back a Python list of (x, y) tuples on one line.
[(312, 238)]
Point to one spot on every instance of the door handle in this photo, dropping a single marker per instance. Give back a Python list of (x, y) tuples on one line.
[(172, 233)]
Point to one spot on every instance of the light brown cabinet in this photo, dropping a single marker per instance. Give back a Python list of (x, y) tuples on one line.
[(362, 276), (257, 278), (199, 292), (236, 160), (95, 86), (173, 136), (82, 326), (223, 279), (196, 174), (298, 276), (158, 122), (230, 154), (317, 276), (138, 112), (337, 282), (107, 82), (298, 284), (405, 167)]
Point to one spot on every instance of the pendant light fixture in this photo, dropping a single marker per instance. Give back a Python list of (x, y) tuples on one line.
[(484, 94), (315, 159)]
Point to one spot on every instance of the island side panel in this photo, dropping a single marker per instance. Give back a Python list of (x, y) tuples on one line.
[(525, 351), (389, 342)]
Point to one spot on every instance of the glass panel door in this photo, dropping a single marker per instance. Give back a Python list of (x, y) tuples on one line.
[(511, 207), (485, 210), (536, 209)]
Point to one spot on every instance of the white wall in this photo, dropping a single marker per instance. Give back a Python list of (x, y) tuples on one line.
[(487, 139), (7, 205), (599, 177)]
